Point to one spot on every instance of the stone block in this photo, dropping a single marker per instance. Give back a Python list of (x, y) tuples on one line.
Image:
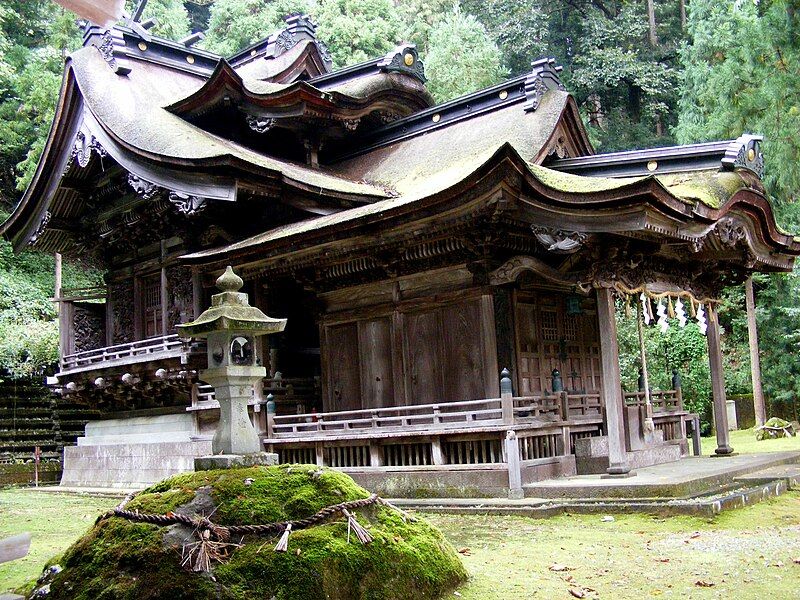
[(235, 461)]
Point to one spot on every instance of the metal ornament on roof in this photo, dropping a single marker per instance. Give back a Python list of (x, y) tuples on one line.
[(404, 59), (543, 77), (745, 153)]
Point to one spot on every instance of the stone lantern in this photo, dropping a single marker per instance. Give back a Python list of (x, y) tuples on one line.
[(230, 327)]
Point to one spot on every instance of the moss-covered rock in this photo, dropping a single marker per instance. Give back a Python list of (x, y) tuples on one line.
[(122, 559)]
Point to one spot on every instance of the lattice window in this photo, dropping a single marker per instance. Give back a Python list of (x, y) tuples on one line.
[(571, 328), (473, 452), (297, 456), (347, 456), (407, 455), (151, 305), (539, 446), (549, 324)]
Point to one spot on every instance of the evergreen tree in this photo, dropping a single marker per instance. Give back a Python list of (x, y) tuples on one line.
[(742, 74), (172, 18), (461, 58), (357, 30), (235, 24)]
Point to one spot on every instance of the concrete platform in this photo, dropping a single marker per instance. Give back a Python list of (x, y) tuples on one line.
[(684, 478), (692, 486)]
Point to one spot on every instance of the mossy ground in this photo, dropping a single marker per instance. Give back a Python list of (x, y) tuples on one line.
[(746, 553), (124, 560)]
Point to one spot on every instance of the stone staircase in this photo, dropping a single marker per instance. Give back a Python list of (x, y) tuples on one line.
[(32, 416)]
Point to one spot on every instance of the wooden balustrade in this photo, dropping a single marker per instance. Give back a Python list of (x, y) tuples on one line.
[(662, 400), (154, 348)]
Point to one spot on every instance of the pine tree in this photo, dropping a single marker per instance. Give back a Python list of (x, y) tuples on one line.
[(742, 74), (461, 57)]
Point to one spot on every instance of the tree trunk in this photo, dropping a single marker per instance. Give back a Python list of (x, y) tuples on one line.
[(651, 19), (755, 362), (683, 14)]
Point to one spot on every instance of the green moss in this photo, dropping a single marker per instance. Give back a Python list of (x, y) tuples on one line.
[(123, 559), (579, 184), (160, 503), (712, 188)]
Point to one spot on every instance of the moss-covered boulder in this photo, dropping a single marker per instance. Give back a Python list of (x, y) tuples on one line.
[(122, 559)]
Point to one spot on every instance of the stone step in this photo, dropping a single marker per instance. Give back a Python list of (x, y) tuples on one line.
[(790, 473)]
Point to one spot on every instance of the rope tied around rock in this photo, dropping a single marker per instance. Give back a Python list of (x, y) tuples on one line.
[(214, 538)]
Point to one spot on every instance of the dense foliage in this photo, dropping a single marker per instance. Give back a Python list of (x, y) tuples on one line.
[(644, 72)]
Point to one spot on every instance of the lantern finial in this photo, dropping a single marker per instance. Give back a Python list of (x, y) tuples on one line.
[(229, 281)]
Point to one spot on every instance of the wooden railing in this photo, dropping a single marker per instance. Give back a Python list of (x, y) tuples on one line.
[(450, 414), (441, 416), (147, 349), (290, 394), (662, 400)]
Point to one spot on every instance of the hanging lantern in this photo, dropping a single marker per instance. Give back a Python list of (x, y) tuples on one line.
[(573, 304)]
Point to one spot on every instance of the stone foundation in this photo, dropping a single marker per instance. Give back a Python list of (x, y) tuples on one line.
[(133, 452), (591, 455)]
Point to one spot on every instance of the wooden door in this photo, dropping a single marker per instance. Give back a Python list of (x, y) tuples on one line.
[(547, 339), (375, 358), (343, 367), (423, 357)]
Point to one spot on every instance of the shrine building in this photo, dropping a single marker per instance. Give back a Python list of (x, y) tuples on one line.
[(416, 250)]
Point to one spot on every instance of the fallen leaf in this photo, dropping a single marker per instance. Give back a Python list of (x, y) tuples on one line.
[(457, 594), (796, 561), (703, 583), (465, 551), (558, 567), (696, 534), (607, 519), (577, 592), (662, 560)]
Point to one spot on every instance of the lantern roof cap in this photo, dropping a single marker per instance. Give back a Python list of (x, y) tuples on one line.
[(231, 311)]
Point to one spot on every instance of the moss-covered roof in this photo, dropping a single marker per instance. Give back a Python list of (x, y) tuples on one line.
[(425, 178), (712, 188), (125, 560), (131, 109)]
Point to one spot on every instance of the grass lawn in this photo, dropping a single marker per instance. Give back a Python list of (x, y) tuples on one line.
[(747, 553), (55, 522), (744, 442)]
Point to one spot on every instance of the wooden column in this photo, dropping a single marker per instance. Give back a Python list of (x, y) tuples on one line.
[(515, 490), (612, 385), (164, 292), (755, 360), (718, 384)]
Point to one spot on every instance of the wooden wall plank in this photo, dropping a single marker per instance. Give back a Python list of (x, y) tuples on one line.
[(375, 359), (343, 369)]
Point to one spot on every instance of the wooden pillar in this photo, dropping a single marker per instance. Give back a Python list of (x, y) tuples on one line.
[(648, 405), (57, 287), (164, 292), (755, 360), (718, 384), (613, 402), (514, 468), (504, 330)]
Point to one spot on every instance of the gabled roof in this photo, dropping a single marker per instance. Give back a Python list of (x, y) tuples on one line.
[(663, 206)]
